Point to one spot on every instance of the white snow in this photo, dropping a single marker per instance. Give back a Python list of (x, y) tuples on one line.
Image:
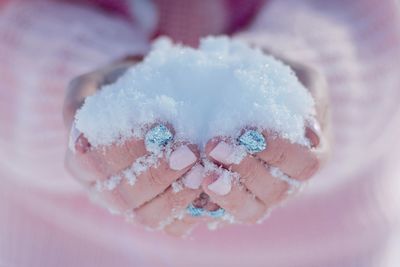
[(217, 89)]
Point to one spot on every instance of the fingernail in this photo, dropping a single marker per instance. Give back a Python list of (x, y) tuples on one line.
[(223, 153), (157, 137), (181, 158), (222, 185), (313, 132), (82, 144), (77, 141), (194, 178), (253, 141), (194, 211)]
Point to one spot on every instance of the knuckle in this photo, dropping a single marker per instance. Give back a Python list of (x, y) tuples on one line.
[(146, 220), (176, 201), (279, 158), (255, 216), (246, 170), (156, 176)]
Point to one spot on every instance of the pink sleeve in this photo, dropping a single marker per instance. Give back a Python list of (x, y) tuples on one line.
[(120, 7), (3, 3)]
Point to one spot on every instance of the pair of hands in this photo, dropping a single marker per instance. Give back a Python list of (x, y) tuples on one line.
[(160, 189)]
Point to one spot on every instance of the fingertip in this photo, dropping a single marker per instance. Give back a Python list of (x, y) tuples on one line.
[(313, 132), (226, 153), (182, 157), (210, 178), (180, 228), (168, 125), (310, 169), (194, 178), (195, 150), (157, 137), (77, 141), (216, 184), (222, 152), (252, 140), (312, 136), (211, 144), (82, 144)]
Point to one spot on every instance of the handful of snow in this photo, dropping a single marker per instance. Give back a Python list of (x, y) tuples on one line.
[(215, 90)]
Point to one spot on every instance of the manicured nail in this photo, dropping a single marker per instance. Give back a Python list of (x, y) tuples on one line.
[(82, 144), (157, 137), (313, 132), (223, 153), (77, 141), (181, 158), (194, 211), (253, 141), (194, 178), (222, 185)]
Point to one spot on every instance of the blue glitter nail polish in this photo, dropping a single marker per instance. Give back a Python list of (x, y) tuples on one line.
[(157, 137), (216, 213), (253, 141), (194, 211)]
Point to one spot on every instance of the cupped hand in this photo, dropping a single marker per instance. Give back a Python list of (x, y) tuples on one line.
[(248, 184), (155, 189), (129, 178)]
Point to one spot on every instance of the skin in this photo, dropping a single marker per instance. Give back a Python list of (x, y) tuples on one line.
[(153, 199)]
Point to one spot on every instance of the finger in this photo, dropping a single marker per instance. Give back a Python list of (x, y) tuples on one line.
[(128, 190), (223, 188), (183, 227), (92, 165), (313, 132), (222, 152), (153, 175), (107, 160), (254, 173), (103, 162), (297, 161), (157, 212), (150, 172), (111, 200)]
